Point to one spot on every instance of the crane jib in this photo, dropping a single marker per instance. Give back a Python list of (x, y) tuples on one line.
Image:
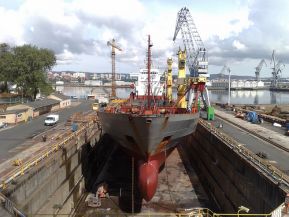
[(197, 60)]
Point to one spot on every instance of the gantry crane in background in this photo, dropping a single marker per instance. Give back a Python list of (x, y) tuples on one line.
[(196, 59), (277, 68), (259, 68), (113, 47), (224, 70)]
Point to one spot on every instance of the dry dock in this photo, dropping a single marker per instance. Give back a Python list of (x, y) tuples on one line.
[(215, 168)]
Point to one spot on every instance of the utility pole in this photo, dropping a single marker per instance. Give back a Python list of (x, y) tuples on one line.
[(229, 86)]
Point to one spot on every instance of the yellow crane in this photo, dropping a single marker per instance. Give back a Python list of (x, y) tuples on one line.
[(113, 47), (170, 80), (182, 103)]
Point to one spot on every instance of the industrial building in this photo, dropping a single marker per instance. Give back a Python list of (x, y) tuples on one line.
[(237, 84)]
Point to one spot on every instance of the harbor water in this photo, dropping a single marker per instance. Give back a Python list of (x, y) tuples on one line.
[(216, 96)]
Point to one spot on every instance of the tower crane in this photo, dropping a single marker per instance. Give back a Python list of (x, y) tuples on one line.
[(277, 68), (259, 68), (113, 47), (195, 58)]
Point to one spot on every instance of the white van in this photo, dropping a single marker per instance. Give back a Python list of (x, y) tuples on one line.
[(51, 120)]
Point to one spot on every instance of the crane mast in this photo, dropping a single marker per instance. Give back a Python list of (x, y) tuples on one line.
[(277, 70), (196, 52), (259, 68), (113, 47)]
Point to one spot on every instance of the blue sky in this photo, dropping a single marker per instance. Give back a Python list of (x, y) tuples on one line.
[(238, 33)]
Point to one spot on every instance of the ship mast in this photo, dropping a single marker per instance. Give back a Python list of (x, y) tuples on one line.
[(149, 71)]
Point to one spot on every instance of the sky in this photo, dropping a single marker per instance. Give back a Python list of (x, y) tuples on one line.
[(238, 33)]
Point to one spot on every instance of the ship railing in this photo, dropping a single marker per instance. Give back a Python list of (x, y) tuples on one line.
[(278, 176)]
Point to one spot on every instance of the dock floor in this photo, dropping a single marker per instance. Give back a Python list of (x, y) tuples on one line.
[(177, 189)]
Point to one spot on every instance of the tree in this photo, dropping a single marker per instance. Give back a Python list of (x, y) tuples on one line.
[(30, 64), (26, 66), (6, 60)]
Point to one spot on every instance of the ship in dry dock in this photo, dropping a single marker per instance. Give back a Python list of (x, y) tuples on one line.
[(150, 123)]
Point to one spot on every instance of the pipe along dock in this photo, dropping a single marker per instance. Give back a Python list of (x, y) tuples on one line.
[(56, 179)]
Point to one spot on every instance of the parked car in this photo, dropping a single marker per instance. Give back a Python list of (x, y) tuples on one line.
[(3, 125), (51, 120)]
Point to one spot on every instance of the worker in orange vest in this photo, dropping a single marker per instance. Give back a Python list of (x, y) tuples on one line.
[(287, 203)]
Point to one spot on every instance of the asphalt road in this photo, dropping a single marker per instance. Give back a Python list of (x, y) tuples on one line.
[(265, 124), (276, 156), (16, 136)]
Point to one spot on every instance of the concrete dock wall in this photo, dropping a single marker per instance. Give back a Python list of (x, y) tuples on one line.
[(55, 185), (231, 180)]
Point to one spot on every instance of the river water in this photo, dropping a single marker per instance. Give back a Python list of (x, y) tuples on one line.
[(216, 96)]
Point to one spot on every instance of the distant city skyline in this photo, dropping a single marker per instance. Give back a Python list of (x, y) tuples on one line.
[(238, 33), (119, 75)]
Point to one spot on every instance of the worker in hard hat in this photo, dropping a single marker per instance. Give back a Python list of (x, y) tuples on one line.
[(286, 203)]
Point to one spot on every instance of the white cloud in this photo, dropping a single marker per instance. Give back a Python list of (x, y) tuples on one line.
[(223, 25), (66, 57), (11, 26), (237, 44), (77, 30), (129, 10)]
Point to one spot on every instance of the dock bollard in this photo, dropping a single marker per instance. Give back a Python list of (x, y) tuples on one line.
[(44, 138)]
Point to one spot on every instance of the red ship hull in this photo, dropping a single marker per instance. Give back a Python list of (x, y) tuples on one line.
[(148, 174)]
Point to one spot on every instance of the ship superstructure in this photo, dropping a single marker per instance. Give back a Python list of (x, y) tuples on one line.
[(155, 80)]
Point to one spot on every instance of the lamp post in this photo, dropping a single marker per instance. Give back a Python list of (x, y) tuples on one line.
[(242, 208), (22, 89), (229, 86)]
